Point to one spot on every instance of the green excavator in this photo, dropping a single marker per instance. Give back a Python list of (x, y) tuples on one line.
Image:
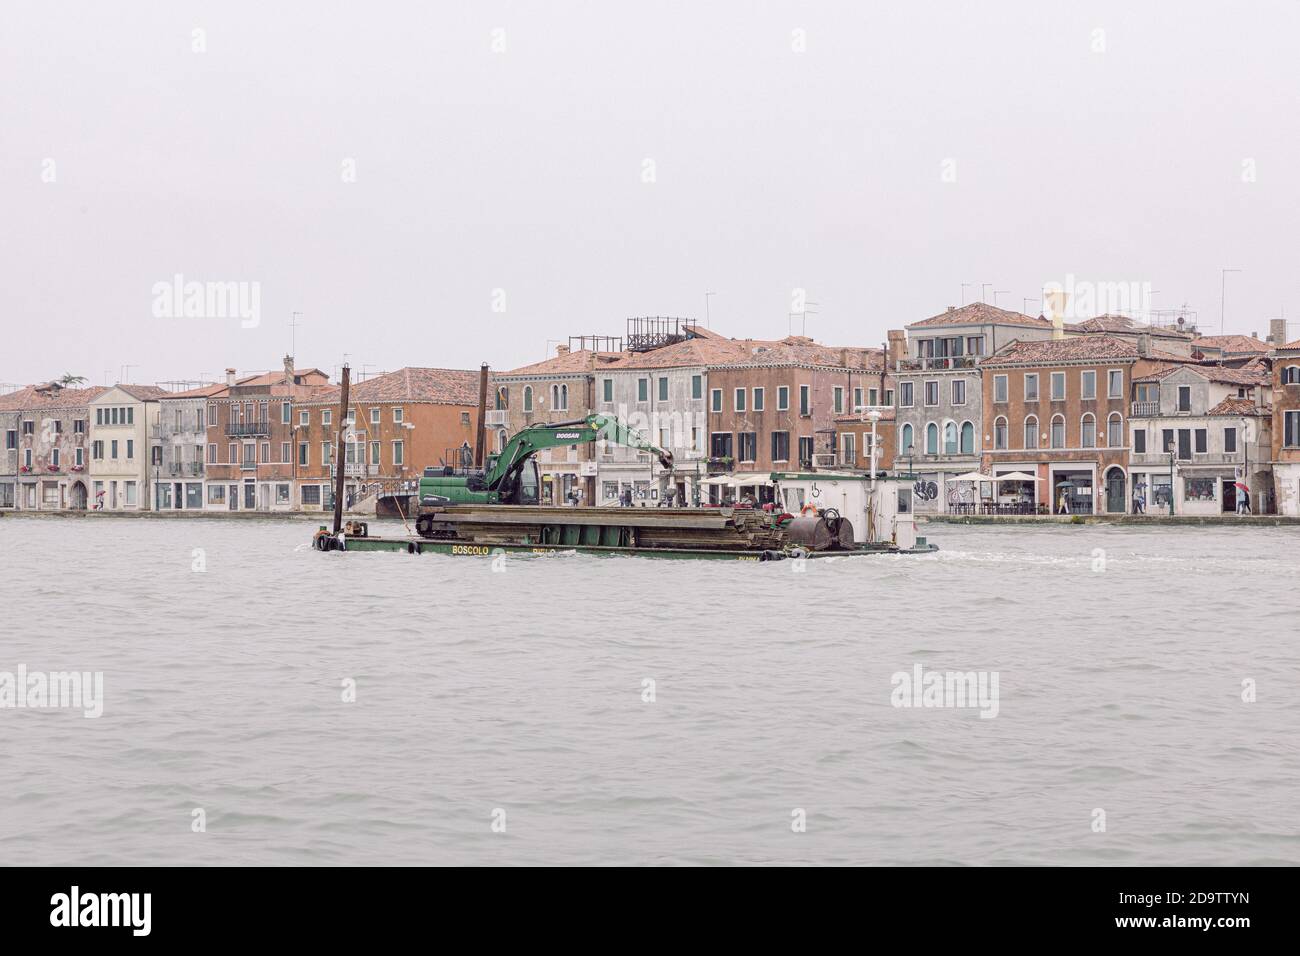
[(511, 476)]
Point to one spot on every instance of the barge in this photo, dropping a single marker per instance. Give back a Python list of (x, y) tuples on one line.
[(492, 507), (813, 515)]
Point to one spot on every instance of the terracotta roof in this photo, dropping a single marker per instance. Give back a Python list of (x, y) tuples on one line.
[(1049, 351), (981, 313), (570, 363), (31, 398), (1253, 377), (443, 386), (1231, 343), (203, 391), (1291, 345), (143, 393), (693, 352), (1238, 406), (1123, 324)]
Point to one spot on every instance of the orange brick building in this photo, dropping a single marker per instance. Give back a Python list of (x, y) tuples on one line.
[(399, 424)]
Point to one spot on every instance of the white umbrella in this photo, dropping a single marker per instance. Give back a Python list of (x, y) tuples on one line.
[(1018, 476), (972, 476)]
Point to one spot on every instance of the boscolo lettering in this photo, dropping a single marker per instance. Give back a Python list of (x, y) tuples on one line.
[(469, 549)]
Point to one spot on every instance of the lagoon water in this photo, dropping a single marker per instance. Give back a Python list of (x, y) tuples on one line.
[(519, 696)]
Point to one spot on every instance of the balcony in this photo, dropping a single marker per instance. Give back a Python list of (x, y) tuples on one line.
[(945, 363), (1144, 409), (248, 466), (248, 429)]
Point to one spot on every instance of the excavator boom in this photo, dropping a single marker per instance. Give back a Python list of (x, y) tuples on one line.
[(528, 442)]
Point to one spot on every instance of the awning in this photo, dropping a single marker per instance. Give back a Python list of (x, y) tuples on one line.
[(751, 478), (717, 480)]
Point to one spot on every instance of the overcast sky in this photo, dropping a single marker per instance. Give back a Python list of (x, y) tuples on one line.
[(383, 168)]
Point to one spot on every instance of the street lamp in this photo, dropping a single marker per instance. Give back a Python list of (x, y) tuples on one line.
[(908, 451), (1170, 448)]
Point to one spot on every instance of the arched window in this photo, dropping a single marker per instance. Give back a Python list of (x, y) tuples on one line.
[(905, 440), (501, 440), (1000, 433), (932, 439), (1087, 431), (1058, 431), (564, 397), (555, 396), (967, 438), (1291, 375), (528, 398), (503, 398), (950, 438), (1115, 430), (1031, 431)]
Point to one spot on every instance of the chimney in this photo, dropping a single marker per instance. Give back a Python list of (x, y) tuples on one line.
[(230, 376), (1277, 332), (1144, 344), (561, 350), (288, 370), (844, 358), (897, 348)]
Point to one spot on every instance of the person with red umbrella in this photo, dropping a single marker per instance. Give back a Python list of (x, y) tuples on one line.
[(1243, 497)]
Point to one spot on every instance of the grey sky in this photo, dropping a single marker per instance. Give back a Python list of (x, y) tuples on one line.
[(522, 170)]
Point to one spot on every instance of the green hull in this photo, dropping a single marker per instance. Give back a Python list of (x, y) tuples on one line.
[(465, 549)]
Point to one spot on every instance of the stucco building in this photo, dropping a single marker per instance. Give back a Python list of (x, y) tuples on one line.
[(121, 419), (1057, 410), (1199, 430), (776, 407), (1286, 428), (940, 430), (558, 389), (46, 449), (177, 449), (251, 437)]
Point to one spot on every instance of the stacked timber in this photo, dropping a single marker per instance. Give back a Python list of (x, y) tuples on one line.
[(688, 528)]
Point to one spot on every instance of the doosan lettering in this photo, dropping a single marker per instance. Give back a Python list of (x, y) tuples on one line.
[(102, 909)]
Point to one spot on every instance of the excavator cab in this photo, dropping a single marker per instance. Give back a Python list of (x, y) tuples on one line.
[(525, 487)]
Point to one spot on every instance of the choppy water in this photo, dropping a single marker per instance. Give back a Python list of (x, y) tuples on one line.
[(1120, 689)]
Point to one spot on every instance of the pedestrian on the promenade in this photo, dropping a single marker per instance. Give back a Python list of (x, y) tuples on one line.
[(1061, 508), (1243, 502)]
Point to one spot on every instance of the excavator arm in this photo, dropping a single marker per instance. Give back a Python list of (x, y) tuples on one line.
[(533, 439)]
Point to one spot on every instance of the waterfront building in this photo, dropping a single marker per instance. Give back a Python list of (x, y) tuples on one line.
[(940, 429), (1200, 431), (1230, 350), (662, 393), (558, 389), (121, 419), (46, 449), (1286, 428), (399, 423), (1174, 340), (1056, 409), (775, 406), (251, 436), (177, 449)]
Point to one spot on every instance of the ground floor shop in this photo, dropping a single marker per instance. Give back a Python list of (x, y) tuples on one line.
[(1204, 490)]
